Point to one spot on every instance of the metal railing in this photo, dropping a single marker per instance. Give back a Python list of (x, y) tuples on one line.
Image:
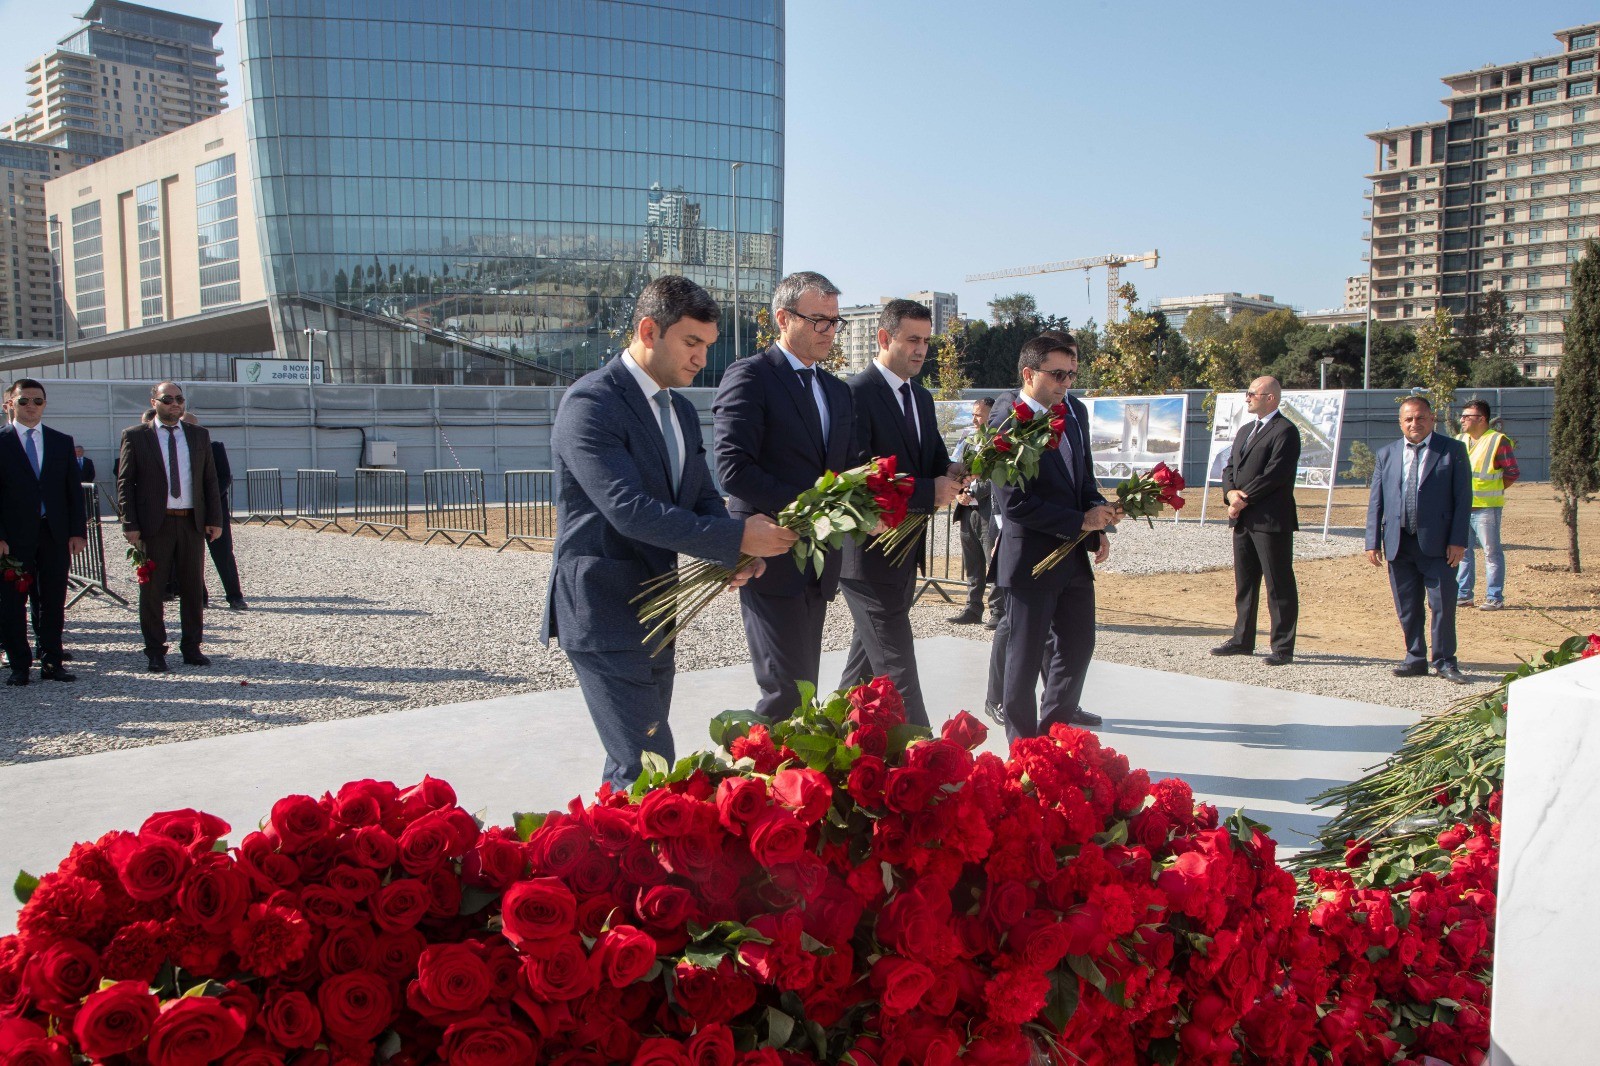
[(316, 499), (86, 575), (381, 503), (453, 505), (530, 508), (263, 497), (942, 568)]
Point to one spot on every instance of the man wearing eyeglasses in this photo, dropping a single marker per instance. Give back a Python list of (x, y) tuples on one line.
[(171, 505), (781, 422), (42, 525)]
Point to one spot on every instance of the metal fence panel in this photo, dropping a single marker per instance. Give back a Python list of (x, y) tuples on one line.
[(86, 575), (381, 503), (530, 507), (942, 568), (263, 497), (316, 499), (453, 505)]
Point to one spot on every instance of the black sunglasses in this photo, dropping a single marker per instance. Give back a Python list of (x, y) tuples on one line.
[(28, 401), (170, 400)]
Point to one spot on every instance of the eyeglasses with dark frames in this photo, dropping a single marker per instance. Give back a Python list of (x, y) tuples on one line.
[(823, 325), (28, 401), (1061, 376), (168, 401)]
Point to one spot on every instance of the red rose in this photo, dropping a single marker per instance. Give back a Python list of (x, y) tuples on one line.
[(946, 760), (400, 904), (426, 843), (557, 848), (192, 1031), (496, 860), (558, 972), (372, 846), (194, 830), (878, 703), (712, 1045), (1001, 444), (538, 909), (355, 1006), (664, 908), (909, 789), (965, 730), (486, 1040), (1022, 412), (272, 939), (429, 794), (661, 1051), (22, 1043), (777, 837), (868, 775), (452, 982), (624, 955), (664, 813), (214, 894), (299, 822), (115, 1019), (900, 983), (61, 974), (365, 802), (804, 791), (149, 867), (740, 800), (291, 1019), (395, 954), (347, 947), (871, 739)]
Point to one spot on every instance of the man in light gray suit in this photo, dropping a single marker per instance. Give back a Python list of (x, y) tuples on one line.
[(632, 491)]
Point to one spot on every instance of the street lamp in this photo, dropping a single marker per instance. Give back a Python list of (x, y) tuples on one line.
[(58, 268), (312, 333), (733, 252), (1322, 368)]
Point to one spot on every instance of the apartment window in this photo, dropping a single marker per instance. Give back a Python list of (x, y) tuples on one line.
[(1511, 214), (1575, 162), (147, 214), (1536, 211), (1574, 254), (1580, 88), (1532, 303), (1535, 281), (1543, 96), (1577, 138), (1582, 41), (1512, 124), (1574, 231), (1531, 325), (1540, 121), (217, 212), (1574, 208), (1543, 71), (1578, 66), (88, 269), (1540, 166), (1580, 113), (1511, 170), (1536, 233), (1575, 185)]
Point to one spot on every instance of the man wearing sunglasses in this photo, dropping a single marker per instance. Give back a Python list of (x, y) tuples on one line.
[(42, 525), (781, 421), (171, 505)]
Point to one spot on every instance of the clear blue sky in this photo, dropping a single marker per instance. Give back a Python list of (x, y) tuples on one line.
[(929, 140)]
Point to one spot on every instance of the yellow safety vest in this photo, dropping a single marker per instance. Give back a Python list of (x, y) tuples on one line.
[(1488, 481)]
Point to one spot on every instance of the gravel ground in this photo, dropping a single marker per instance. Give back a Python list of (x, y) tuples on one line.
[(345, 626)]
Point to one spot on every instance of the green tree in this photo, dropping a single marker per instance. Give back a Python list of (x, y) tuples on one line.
[(1127, 365), (766, 332), (1012, 310), (1575, 426), (1391, 355), (1494, 344), (1298, 367), (1362, 463), (1217, 362), (1434, 364), (1205, 324), (950, 349), (1263, 339)]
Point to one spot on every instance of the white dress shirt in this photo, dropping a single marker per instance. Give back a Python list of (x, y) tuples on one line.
[(185, 498), (648, 384), (817, 394), (895, 381)]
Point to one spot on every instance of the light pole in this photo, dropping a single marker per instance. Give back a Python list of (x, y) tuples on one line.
[(1322, 370), (733, 252), (58, 267), (312, 333)]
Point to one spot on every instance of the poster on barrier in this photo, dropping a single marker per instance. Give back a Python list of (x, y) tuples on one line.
[(1130, 434), (955, 421), (1318, 414)]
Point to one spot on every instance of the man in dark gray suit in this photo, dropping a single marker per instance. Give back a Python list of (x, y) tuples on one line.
[(781, 421), (632, 491), (1417, 518), (974, 519)]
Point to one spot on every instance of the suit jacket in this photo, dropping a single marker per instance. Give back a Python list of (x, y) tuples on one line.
[(87, 473), (881, 431), (618, 522), (1444, 497), (1265, 473), (142, 495), (1036, 519), (21, 493), (769, 449)]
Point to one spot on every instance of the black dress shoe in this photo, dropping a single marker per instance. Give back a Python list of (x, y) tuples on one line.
[(992, 622), (194, 658), (16, 679), (966, 618), (1450, 672), (995, 713), (1084, 719), (158, 664), (236, 603), (1231, 648), (55, 673), (1411, 670), (1278, 660)]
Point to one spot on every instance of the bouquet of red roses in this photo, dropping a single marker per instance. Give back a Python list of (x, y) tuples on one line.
[(852, 504), (14, 572), (1141, 496), (1009, 454), (144, 567)]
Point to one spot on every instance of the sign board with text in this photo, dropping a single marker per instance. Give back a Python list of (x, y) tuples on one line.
[(277, 371)]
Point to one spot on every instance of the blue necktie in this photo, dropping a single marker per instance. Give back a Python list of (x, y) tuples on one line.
[(31, 449), (1413, 470), (1068, 453), (664, 401)]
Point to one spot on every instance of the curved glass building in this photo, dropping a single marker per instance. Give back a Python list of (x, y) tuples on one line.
[(474, 191)]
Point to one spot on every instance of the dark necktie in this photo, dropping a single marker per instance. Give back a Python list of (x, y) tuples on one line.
[(1068, 448), (664, 401), (174, 479), (910, 412), (1248, 437), (1413, 471), (805, 381)]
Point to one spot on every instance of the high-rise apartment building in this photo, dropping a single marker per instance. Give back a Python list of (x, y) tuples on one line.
[(860, 340), (27, 266), (129, 75), (1355, 291), (1500, 195)]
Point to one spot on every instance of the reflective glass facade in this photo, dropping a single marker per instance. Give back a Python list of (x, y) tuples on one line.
[(457, 188)]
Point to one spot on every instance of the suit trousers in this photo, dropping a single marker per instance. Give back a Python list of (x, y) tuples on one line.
[(996, 692), (785, 638), (1258, 555), (1035, 618), (49, 601), (883, 642), (222, 558), (176, 549), (977, 542), (1414, 576), (629, 696)]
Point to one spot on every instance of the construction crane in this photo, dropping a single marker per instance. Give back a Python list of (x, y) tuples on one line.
[(1112, 263)]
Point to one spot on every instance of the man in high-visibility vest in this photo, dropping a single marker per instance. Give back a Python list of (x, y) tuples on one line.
[(1494, 468)]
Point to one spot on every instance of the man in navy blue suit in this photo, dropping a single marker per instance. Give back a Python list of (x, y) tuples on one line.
[(632, 491), (1055, 610), (1417, 517), (894, 416), (781, 422), (43, 524)]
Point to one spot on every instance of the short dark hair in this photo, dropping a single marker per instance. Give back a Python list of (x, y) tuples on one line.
[(1480, 406), (670, 298), (1417, 398), (796, 285), (1035, 351), (983, 401), (25, 383), (897, 311)]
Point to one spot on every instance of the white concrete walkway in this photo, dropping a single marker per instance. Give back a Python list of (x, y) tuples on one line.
[(1261, 749)]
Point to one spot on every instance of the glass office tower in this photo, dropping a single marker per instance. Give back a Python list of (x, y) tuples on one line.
[(475, 191)]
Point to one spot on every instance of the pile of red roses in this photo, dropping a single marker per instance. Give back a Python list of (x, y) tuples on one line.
[(836, 887)]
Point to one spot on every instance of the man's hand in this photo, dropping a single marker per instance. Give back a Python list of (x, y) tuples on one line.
[(213, 532), (75, 546), (131, 536), (945, 490), (1373, 557), (958, 471), (1102, 551), (1455, 553), (756, 568), (764, 537), (967, 499), (1100, 516)]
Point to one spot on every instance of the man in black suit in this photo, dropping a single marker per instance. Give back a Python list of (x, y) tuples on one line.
[(1055, 609), (894, 416), (221, 548), (171, 504), (42, 524), (1258, 487), (85, 466), (974, 522), (781, 422)]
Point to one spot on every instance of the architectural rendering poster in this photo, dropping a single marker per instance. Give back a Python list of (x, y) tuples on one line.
[(1131, 434), (1318, 413)]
